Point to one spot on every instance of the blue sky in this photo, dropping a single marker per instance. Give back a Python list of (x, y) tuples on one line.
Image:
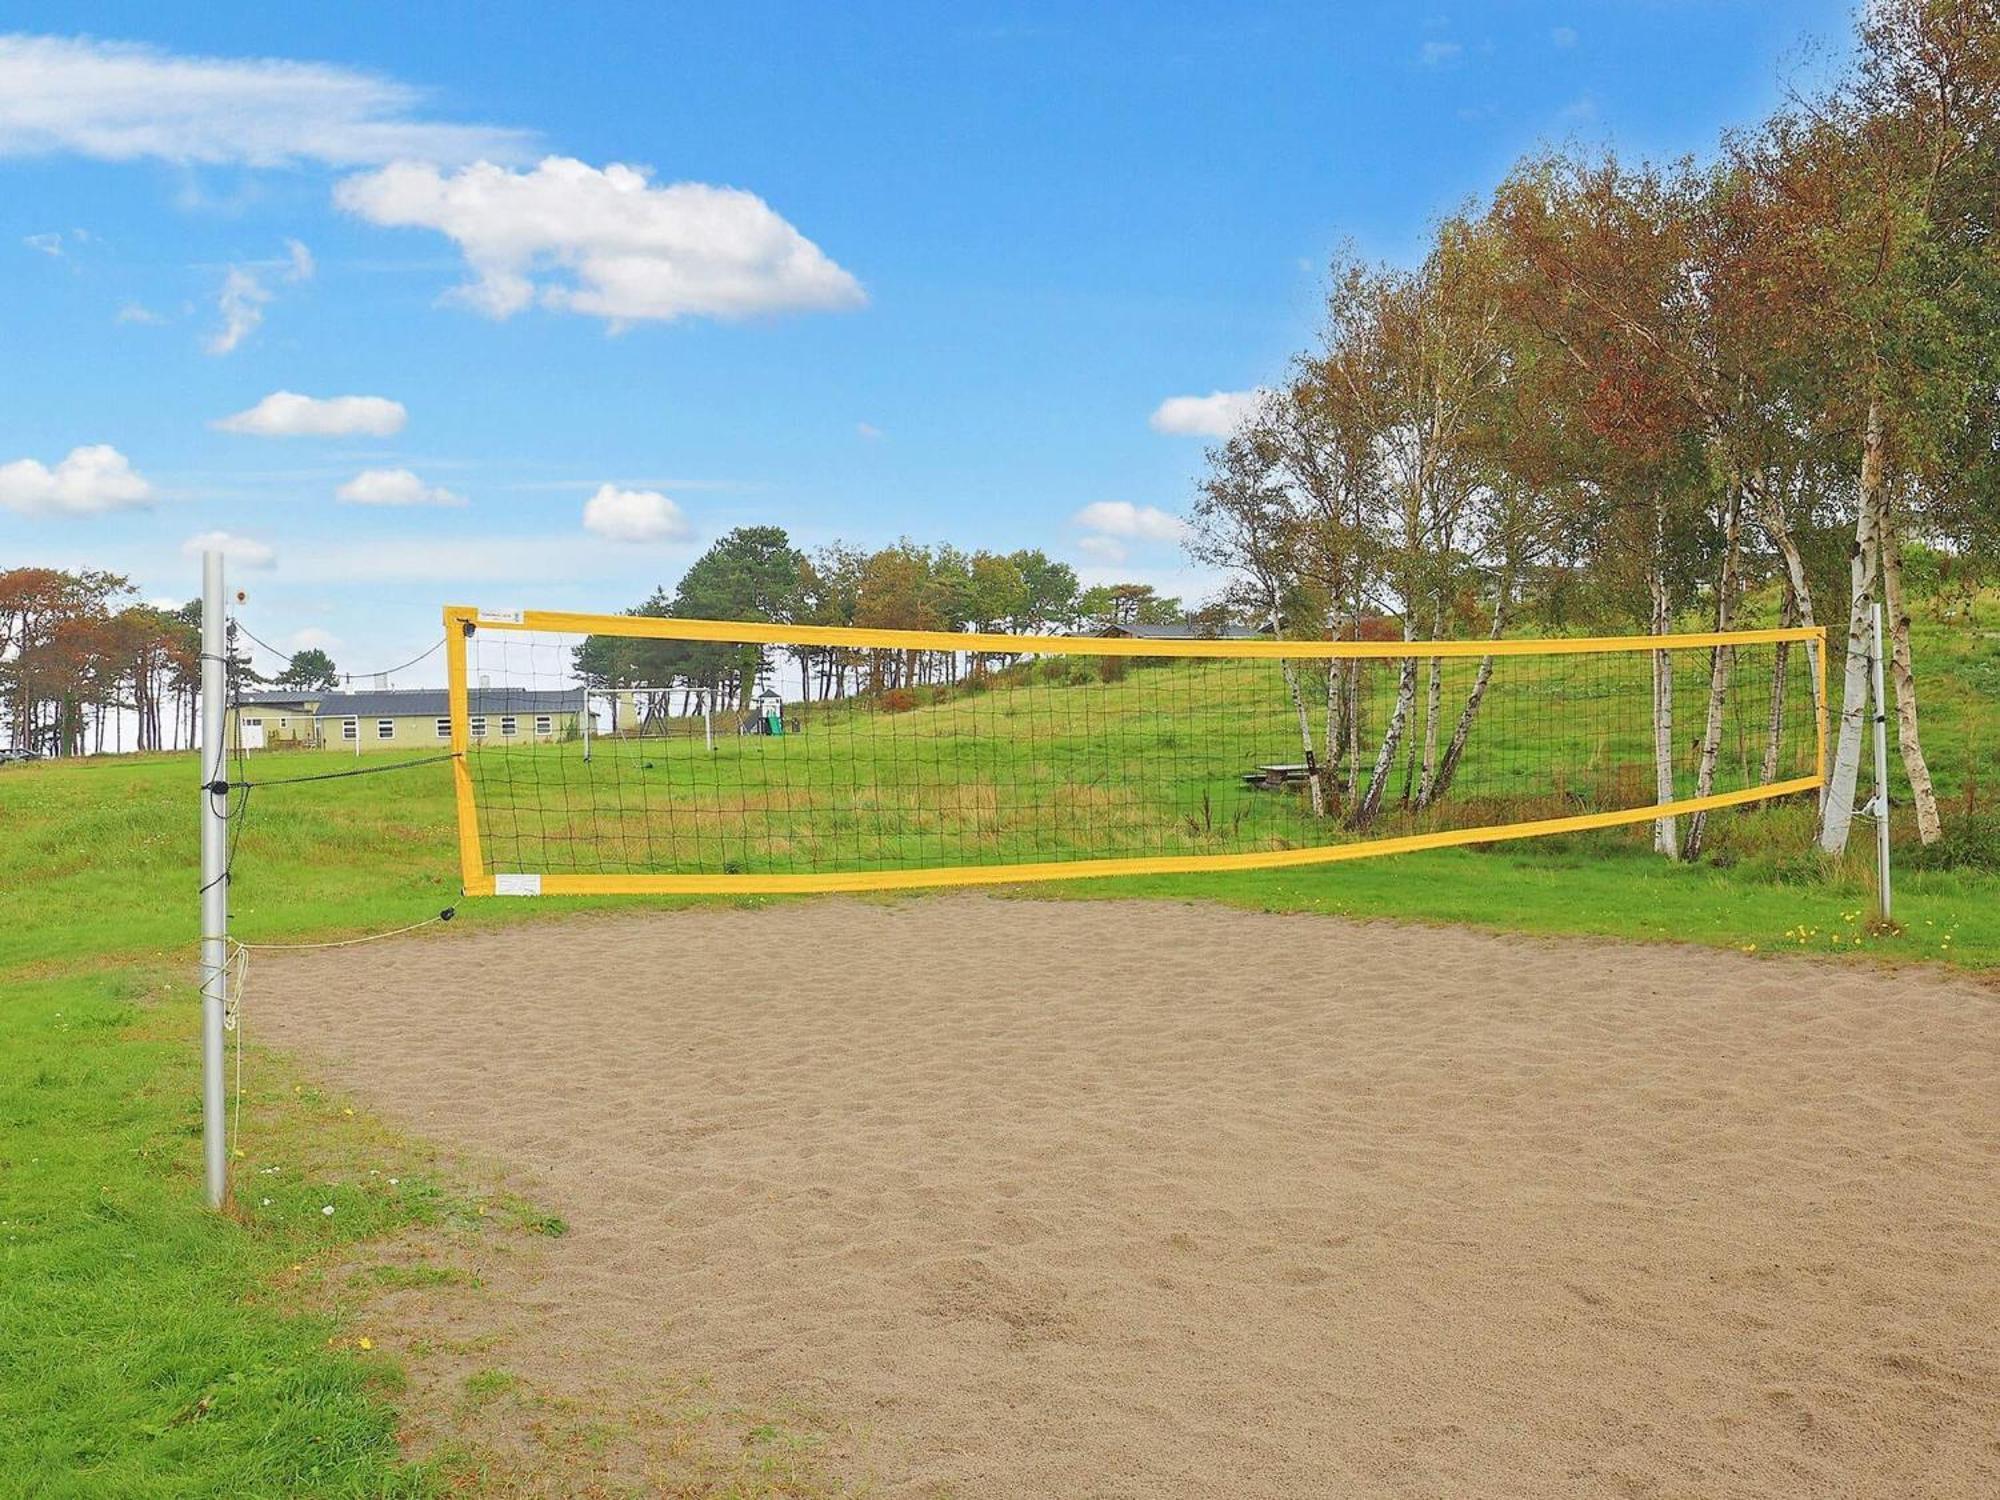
[(972, 251)]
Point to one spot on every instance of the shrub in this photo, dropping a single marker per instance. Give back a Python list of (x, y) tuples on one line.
[(1971, 841)]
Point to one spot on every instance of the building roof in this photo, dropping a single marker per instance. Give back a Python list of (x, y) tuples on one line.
[(435, 703), (1181, 630), (278, 700)]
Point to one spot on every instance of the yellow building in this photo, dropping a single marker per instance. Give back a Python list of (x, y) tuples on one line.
[(402, 718)]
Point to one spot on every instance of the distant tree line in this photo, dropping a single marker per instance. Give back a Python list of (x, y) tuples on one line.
[(79, 660), (755, 573), (1631, 394), (85, 668)]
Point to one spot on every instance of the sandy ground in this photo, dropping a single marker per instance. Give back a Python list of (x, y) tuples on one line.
[(1129, 1199)]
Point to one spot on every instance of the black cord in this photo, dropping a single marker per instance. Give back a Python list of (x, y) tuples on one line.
[(286, 657), (401, 765), (217, 785)]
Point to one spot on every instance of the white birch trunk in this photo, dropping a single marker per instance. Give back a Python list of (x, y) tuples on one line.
[(1800, 586), (1291, 671), (1336, 730), (1837, 817), (1313, 789), (1370, 802), (1666, 837), (1903, 678), (1353, 689), (1433, 706), (1462, 731), (1721, 658), (1353, 725), (1774, 729)]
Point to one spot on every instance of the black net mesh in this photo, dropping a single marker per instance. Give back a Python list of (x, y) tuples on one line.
[(706, 758)]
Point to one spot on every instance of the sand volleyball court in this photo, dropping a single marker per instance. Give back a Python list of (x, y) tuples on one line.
[(1050, 1199)]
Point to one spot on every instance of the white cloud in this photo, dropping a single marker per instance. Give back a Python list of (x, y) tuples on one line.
[(606, 242), (90, 480), (118, 101), (1563, 36), (244, 551), (394, 487), (244, 295), (1190, 584), (48, 244), (1437, 54), (1106, 549), (634, 516), (1111, 528), (137, 312), (868, 430), (312, 638), (241, 303), (287, 414), (1217, 414), (1121, 518)]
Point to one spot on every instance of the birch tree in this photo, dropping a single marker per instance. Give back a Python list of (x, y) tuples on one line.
[(1901, 161)]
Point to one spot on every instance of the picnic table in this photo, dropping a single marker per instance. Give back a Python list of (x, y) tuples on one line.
[(1276, 777)]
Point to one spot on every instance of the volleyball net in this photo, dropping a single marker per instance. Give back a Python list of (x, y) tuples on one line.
[(629, 754)]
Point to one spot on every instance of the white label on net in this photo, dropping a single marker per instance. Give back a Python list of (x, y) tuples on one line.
[(517, 885), (500, 617)]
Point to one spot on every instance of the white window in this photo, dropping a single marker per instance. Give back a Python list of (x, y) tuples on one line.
[(284, 723), (253, 723), (507, 725), (444, 729), (544, 724), (479, 726), (350, 729), (385, 729)]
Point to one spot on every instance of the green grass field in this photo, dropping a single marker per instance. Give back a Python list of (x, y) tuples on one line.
[(149, 1348)]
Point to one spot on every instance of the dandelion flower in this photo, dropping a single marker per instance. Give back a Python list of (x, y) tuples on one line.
[(364, 1343)]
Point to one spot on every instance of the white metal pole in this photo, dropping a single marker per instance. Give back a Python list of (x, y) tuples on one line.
[(586, 723), (214, 877), (1883, 902), (707, 726)]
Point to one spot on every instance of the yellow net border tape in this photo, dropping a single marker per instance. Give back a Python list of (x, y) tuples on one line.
[(750, 632), (831, 881), (478, 882)]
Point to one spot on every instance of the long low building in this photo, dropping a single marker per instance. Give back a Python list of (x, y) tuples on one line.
[(402, 718)]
